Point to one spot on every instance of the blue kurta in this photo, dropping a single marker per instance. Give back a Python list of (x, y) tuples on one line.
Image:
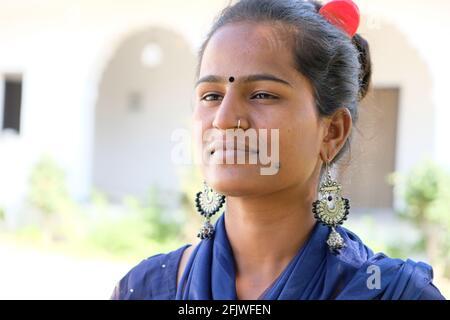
[(314, 273)]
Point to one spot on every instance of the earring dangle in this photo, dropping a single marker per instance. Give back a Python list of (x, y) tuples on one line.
[(331, 209), (208, 203)]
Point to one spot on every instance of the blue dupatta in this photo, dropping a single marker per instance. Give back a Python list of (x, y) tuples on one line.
[(314, 273)]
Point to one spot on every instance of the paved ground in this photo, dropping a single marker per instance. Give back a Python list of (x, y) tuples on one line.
[(30, 274)]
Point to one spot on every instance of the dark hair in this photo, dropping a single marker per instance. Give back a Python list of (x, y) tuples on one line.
[(338, 67)]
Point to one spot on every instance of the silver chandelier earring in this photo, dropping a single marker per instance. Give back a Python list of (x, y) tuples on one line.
[(331, 209), (208, 203)]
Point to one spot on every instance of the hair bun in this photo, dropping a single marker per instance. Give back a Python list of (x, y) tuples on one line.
[(365, 74)]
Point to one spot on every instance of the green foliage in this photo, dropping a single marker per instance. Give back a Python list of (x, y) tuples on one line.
[(427, 195), (160, 225), (118, 236), (427, 198), (138, 226), (133, 229), (438, 210), (53, 210), (423, 185), (48, 191)]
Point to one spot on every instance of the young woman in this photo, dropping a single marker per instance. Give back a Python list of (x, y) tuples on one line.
[(297, 69)]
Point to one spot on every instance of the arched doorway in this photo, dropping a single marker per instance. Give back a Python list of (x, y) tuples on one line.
[(144, 94)]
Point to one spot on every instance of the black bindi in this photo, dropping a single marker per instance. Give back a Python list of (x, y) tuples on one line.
[(231, 79)]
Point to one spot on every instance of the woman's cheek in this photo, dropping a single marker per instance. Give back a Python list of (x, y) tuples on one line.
[(199, 127), (294, 147)]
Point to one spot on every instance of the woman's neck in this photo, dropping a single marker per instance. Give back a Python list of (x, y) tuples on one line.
[(266, 232)]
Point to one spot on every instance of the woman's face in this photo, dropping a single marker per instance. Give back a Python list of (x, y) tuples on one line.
[(252, 54)]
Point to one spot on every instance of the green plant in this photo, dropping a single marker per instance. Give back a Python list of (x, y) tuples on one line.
[(55, 211), (133, 229), (2, 214), (427, 198), (159, 225), (139, 227), (48, 191)]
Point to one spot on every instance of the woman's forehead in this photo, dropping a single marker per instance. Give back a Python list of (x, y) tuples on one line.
[(244, 48)]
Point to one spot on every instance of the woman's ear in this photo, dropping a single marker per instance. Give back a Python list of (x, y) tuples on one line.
[(337, 127)]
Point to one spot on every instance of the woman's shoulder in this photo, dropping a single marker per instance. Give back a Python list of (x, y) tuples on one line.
[(404, 279), (153, 278), (378, 276)]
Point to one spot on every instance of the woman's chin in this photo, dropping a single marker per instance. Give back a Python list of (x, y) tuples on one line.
[(234, 180)]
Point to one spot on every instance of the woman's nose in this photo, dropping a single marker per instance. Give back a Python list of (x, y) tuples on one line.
[(231, 114)]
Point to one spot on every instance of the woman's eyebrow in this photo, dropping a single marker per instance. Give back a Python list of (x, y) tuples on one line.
[(245, 79)]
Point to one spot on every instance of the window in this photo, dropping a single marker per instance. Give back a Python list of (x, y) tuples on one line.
[(12, 102)]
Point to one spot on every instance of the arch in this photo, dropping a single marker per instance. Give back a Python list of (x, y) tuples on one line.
[(143, 95)]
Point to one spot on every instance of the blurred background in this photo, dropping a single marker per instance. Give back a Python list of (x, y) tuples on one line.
[(92, 91)]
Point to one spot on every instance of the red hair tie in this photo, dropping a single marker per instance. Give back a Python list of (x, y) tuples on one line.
[(344, 14)]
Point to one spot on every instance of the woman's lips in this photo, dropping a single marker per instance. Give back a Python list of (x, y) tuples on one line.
[(229, 147), (230, 152)]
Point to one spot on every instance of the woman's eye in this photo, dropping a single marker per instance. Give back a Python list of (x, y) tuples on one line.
[(211, 97), (263, 95)]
